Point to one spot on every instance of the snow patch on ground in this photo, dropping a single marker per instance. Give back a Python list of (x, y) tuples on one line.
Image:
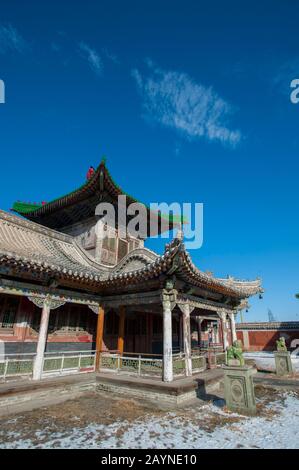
[(265, 360), (186, 429)]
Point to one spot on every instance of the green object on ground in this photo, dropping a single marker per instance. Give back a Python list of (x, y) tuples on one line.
[(235, 354), (281, 344)]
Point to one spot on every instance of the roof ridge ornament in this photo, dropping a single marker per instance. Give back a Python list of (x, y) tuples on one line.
[(180, 233), (101, 180)]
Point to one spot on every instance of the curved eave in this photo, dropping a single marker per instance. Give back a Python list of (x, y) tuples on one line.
[(100, 182), (185, 269), (87, 189), (190, 273), (247, 287), (57, 255)]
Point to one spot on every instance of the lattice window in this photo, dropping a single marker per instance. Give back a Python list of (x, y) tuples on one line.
[(69, 319), (122, 249), (109, 244), (8, 312), (133, 244)]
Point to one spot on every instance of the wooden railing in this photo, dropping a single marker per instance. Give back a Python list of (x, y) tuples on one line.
[(68, 362), (62, 363), (136, 365)]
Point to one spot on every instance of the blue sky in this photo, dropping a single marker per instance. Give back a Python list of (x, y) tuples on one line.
[(189, 101)]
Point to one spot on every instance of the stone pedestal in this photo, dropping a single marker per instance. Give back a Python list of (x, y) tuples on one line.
[(239, 389), (233, 362), (283, 363)]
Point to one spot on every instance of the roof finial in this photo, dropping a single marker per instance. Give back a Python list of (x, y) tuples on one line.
[(90, 173), (180, 232)]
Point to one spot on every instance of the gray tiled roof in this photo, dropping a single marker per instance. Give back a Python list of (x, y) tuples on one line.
[(30, 246)]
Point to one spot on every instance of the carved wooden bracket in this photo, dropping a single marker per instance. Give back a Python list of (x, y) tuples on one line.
[(169, 298), (50, 302), (186, 308), (94, 308), (222, 312)]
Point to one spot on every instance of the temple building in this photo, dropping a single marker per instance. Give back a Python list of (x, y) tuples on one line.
[(63, 288)]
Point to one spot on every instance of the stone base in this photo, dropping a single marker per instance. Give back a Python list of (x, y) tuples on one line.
[(239, 389), (163, 395), (283, 363), (233, 362), (27, 395)]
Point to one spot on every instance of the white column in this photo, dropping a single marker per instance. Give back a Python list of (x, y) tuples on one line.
[(233, 327), (185, 308), (167, 340), (181, 336), (224, 330), (217, 332), (42, 339), (199, 320), (2, 350)]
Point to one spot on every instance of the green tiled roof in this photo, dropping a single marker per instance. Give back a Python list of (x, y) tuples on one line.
[(29, 209), (25, 207)]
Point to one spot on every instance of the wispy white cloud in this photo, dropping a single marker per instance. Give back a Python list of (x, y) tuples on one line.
[(176, 101), (11, 40), (109, 55), (93, 58)]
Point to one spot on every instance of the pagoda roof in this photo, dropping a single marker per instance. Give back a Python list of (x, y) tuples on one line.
[(27, 247), (81, 203)]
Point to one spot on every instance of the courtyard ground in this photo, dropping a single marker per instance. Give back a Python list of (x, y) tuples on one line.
[(99, 421)]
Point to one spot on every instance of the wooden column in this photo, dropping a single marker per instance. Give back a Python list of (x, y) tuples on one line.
[(181, 333), (185, 308), (99, 337), (217, 333), (224, 330), (233, 327), (21, 325), (199, 320), (46, 304), (167, 340), (121, 330), (149, 331), (42, 340)]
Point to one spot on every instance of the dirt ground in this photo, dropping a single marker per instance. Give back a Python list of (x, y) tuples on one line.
[(40, 425)]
